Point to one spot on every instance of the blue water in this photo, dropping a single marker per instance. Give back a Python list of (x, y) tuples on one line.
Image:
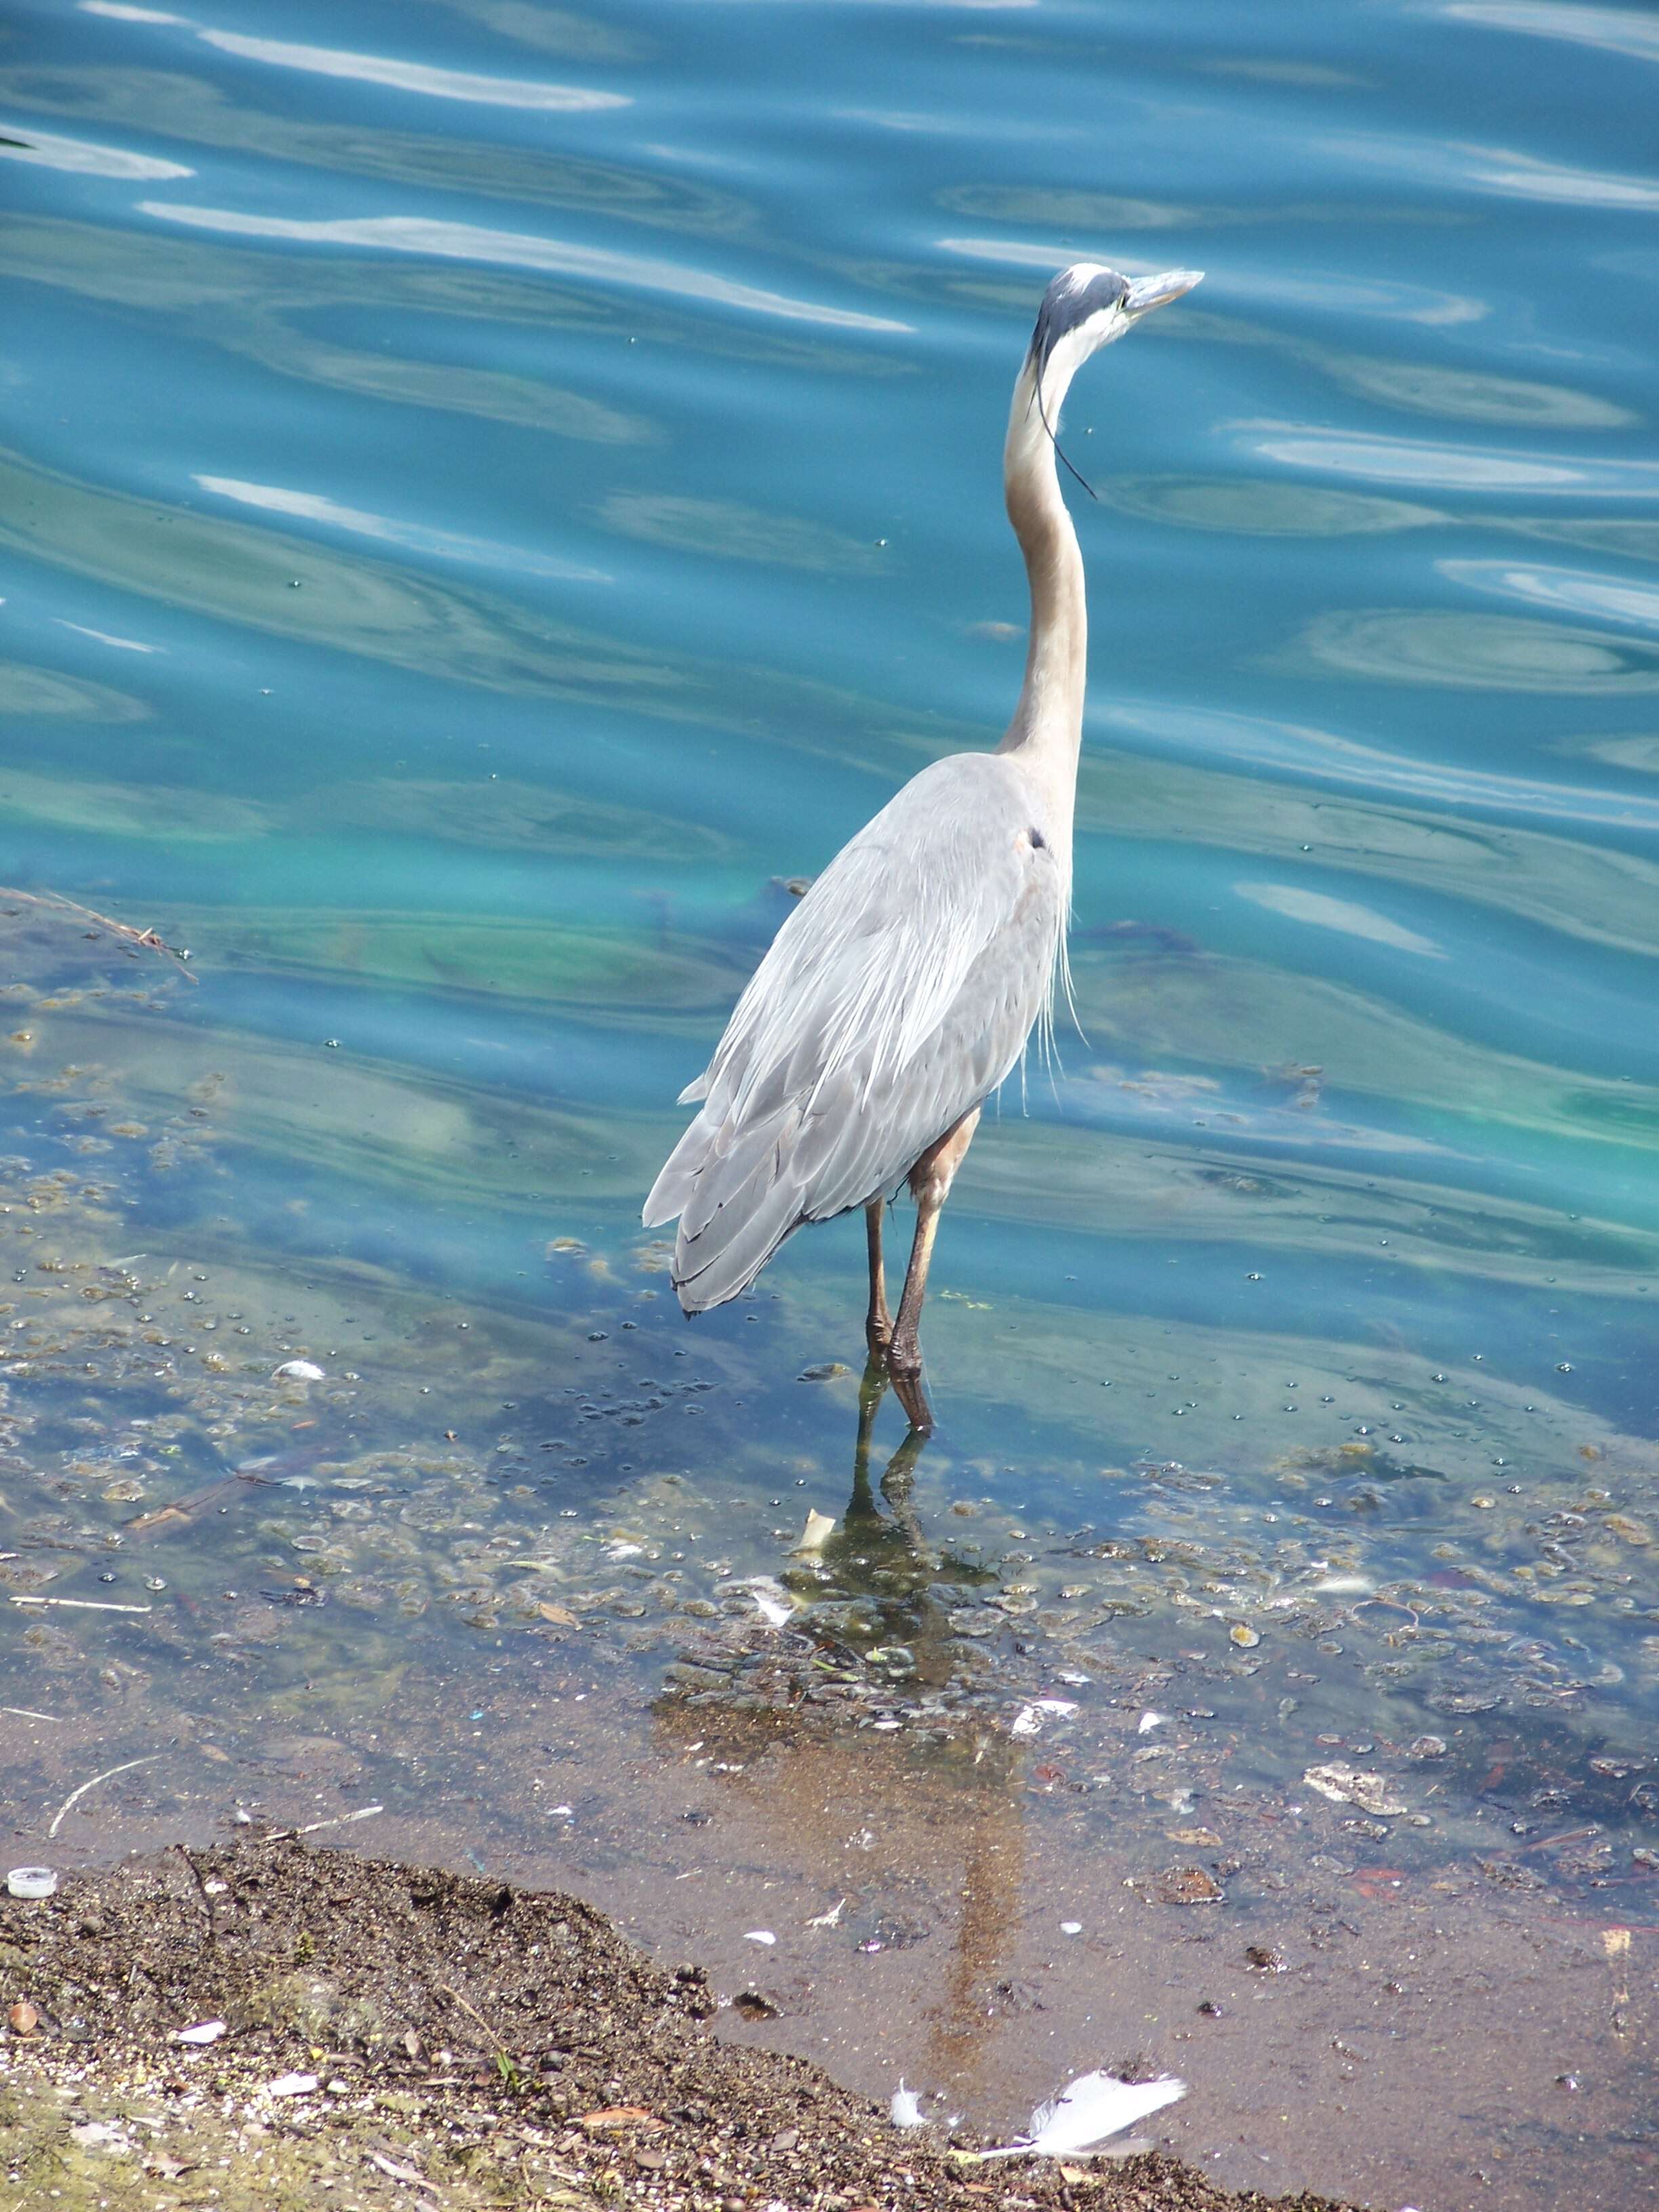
[(489, 489)]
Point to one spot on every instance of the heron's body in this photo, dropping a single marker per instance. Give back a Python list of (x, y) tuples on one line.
[(901, 992)]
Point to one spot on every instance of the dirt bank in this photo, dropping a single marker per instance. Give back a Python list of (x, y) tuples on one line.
[(399, 2036)]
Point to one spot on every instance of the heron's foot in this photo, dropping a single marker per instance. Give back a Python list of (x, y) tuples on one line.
[(905, 1372)]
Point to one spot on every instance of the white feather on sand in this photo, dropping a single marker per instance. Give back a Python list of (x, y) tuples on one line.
[(1086, 2111), (906, 2109)]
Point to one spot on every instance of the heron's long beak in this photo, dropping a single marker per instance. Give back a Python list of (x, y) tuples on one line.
[(1148, 292)]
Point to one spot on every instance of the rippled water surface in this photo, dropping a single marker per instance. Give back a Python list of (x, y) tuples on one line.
[(489, 493)]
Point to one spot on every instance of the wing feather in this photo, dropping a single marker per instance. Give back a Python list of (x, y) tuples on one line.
[(895, 997)]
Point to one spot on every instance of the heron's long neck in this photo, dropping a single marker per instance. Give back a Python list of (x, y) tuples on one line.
[(1046, 731)]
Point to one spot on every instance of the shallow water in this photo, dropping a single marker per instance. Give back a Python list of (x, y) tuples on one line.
[(489, 493)]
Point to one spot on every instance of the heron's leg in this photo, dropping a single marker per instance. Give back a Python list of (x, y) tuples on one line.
[(877, 1322), (930, 1179)]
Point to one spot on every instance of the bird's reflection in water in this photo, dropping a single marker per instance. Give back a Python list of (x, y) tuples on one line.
[(902, 1818)]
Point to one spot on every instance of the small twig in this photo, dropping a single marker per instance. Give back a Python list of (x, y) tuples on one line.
[(75, 1795), (340, 1820), (183, 1852), (504, 2059), (149, 938), (23, 1713), (79, 1604), (400, 2172), (466, 2007)]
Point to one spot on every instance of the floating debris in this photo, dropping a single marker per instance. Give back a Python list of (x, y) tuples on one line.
[(759, 1936), (831, 1919), (204, 2032), (1347, 1785), (299, 1370), (292, 2085), (820, 1528), (1189, 1885)]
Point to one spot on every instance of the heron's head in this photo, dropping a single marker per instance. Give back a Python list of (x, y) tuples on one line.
[(1086, 308)]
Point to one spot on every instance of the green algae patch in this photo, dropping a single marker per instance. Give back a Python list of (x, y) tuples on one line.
[(117, 2142)]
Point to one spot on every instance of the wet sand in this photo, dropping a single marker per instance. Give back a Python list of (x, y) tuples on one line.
[(1439, 2039)]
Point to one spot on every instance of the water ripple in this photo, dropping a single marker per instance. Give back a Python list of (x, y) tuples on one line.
[(377, 69), (1320, 911), (413, 537), (1496, 652), (467, 241), (1614, 30), (81, 158), (1299, 750), (1507, 170), (415, 77), (1447, 467), (1574, 591)]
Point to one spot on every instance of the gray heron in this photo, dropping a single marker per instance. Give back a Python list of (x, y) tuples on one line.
[(902, 991)]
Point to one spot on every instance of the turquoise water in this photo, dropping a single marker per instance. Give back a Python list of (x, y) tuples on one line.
[(490, 490)]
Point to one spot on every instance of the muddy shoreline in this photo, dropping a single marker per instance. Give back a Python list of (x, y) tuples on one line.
[(396, 2036)]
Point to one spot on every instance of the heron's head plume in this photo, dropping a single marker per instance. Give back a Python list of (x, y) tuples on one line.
[(1085, 307)]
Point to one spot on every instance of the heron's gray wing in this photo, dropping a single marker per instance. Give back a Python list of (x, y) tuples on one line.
[(897, 994)]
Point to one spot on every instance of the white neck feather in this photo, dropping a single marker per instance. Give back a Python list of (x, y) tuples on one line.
[(1047, 730)]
